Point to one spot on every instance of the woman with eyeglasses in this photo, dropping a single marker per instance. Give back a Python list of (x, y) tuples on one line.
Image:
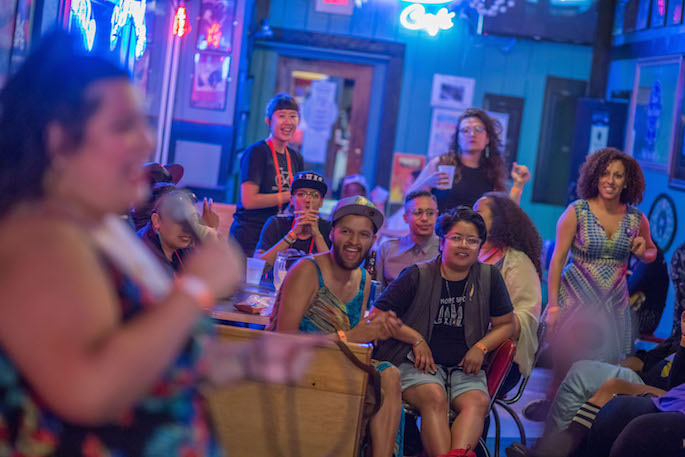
[(476, 154), (514, 246), (454, 310)]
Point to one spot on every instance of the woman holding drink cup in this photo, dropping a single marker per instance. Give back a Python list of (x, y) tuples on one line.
[(472, 167)]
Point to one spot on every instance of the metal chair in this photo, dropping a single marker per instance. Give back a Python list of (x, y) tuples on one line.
[(505, 403)]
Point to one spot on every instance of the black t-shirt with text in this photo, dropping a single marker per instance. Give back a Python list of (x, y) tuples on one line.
[(449, 344), (257, 166), (473, 184)]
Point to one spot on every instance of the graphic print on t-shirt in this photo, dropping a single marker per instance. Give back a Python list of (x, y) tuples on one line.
[(448, 342), (451, 311)]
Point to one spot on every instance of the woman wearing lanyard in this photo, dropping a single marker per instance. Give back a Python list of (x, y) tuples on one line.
[(266, 173), (305, 230)]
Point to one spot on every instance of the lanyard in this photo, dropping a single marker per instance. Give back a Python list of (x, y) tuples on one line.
[(311, 245), (278, 168)]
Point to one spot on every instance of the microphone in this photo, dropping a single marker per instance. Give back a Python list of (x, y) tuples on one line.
[(180, 208)]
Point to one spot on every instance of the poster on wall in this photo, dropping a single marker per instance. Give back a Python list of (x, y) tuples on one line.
[(7, 8), (452, 92), (652, 112), (210, 81), (216, 25), (403, 165), (444, 125), (345, 7), (319, 113)]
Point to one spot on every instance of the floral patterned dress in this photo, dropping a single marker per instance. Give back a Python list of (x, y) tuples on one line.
[(171, 420), (593, 285)]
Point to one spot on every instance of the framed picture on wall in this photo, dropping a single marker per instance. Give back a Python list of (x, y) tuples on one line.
[(657, 90), (452, 92), (210, 81)]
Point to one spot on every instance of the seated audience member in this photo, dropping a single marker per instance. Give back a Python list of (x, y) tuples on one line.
[(677, 275), (354, 185), (267, 170), (421, 211), (514, 246), (395, 225), (305, 230), (328, 293), (648, 289), (597, 423), (164, 235), (447, 306)]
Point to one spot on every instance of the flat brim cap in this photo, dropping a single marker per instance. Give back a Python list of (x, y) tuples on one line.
[(358, 206), (309, 180)]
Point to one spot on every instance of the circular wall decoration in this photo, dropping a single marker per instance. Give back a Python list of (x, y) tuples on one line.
[(663, 221)]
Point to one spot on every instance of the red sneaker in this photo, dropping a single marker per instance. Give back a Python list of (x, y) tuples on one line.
[(460, 453)]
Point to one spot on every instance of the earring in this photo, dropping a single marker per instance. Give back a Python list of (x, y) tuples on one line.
[(487, 151)]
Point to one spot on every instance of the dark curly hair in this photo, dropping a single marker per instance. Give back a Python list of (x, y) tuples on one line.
[(493, 163), (512, 228), (50, 87), (594, 166), (461, 213)]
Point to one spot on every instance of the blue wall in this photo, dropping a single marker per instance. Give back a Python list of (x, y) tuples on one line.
[(500, 65), (621, 77)]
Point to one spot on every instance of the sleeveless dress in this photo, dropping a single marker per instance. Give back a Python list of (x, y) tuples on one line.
[(328, 314), (593, 285), (171, 420)]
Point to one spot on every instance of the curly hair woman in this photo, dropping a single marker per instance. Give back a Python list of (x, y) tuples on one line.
[(513, 245), (476, 154), (588, 298)]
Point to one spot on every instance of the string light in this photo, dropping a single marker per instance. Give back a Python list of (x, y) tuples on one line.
[(181, 26)]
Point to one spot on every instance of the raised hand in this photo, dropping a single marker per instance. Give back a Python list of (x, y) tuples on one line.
[(519, 174), (209, 216)]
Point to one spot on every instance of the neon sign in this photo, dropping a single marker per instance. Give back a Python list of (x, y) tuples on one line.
[(181, 26), (83, 17), (125, 9), (415, 17)]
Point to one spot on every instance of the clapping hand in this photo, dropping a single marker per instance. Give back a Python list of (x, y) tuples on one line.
[(306, 222)]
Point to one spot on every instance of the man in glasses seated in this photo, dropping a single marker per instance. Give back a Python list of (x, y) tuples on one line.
[(447, 305), (420, 213), (303, 230)]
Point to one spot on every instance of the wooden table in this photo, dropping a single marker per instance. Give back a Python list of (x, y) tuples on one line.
[(225, 310)]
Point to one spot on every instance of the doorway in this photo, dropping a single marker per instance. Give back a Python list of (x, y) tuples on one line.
[(334, 102)]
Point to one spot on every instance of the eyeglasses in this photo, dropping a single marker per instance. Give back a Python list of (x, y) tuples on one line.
[(420, 212), (471, 241), (314, 195), (473, 130)]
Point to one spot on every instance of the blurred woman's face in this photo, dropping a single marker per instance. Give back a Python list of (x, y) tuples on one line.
[(473, 138), (104, 174)]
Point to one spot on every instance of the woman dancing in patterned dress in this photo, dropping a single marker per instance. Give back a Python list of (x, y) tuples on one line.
[(588, 314)]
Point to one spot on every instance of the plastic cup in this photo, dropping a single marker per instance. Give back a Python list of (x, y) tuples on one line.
[(254, 271), (449, 171)]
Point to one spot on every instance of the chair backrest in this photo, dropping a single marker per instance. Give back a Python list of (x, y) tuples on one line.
[(499, 366), (225, 212), (321, 413)]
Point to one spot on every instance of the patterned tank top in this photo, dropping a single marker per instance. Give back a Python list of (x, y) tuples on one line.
[(171, 420)]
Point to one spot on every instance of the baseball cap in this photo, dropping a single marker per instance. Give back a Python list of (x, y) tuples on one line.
[(358, 206), (309, 180)]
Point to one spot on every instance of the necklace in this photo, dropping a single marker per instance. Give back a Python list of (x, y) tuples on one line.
[(449, 291)]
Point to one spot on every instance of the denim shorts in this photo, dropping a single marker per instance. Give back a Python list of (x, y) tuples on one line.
[(460, 382)]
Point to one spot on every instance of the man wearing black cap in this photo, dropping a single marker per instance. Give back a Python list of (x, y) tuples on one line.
[(305, 231), (267, 169)]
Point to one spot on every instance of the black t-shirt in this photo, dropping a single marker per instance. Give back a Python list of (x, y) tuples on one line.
[(277, 227), (448, 341), (257, 166), (400, 294), (472, 185)]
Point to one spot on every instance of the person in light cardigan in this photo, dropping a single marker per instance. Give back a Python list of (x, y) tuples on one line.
[(514, 246)]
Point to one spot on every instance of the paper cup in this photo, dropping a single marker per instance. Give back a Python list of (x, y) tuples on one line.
[(449, 171), (254, 271)]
